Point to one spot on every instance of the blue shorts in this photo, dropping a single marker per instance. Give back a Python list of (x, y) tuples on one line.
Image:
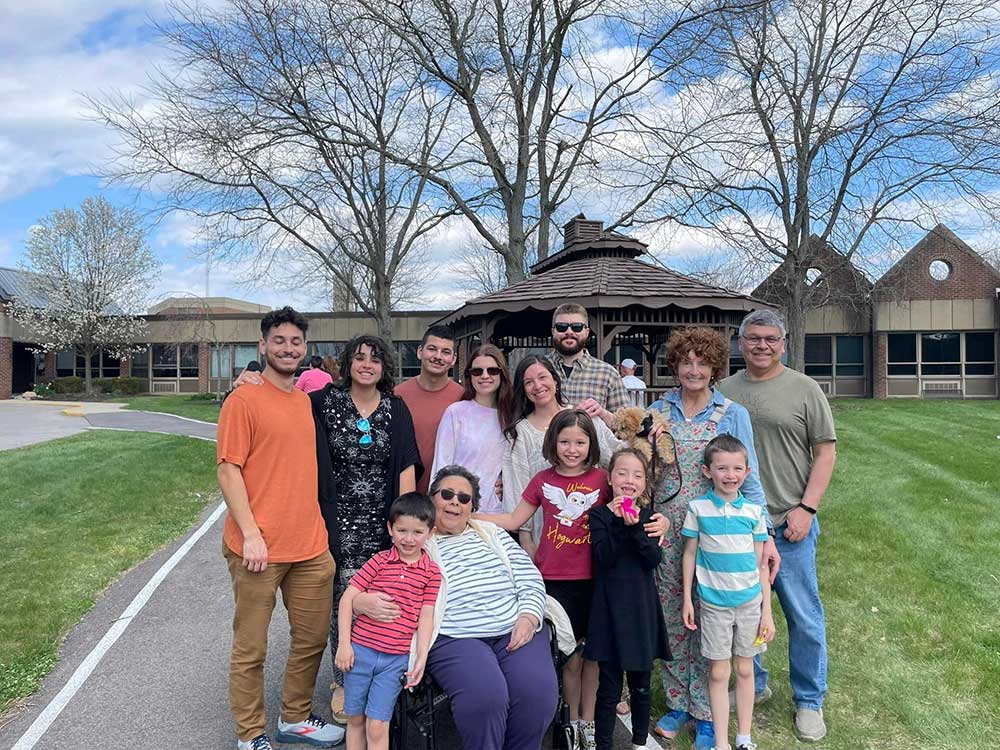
[(374, 682)]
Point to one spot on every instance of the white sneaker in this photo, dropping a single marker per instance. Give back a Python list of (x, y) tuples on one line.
[(260, 742), (313, 731), (586, 733), (809, 724)]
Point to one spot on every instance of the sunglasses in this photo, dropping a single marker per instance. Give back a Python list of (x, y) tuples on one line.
[(463, 497), (478, 371), (364, 426), (575, 327)]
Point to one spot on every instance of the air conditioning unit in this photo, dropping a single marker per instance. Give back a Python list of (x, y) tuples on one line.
[(942, 386), (166, 386)]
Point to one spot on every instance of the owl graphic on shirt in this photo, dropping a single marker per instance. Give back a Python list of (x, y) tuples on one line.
[(571, 506)]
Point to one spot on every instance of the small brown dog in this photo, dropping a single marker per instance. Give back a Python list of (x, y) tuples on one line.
[(633, 424)]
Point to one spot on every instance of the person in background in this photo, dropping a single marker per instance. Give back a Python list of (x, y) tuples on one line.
[(634, 386), (331, 366), (431, 392), (315, 377)]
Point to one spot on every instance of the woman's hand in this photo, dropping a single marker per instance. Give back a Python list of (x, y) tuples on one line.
[(595, 411), (248, 378), (378, 605), (523, 632), (657, 527)]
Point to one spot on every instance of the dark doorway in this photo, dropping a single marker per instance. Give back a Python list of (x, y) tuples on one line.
[(23, 374)]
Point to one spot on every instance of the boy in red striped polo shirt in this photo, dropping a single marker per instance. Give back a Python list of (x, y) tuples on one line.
[(374, 655)]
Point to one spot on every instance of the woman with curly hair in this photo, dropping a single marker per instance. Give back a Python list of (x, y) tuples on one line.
[(367, 454), (697, 412)]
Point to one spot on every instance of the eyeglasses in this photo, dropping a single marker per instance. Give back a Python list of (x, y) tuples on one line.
[(365, 427), (463, 497), (563, 327), (478, 371), (771, 341)]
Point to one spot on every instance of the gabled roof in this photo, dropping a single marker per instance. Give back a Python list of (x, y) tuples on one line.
[(940, 232), (11, 286), (839, 279)]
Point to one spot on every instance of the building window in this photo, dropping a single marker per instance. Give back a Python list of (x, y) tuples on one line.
[(939, 270), (850, 356), (902, 354), (242, 355), (736, 361), (406, 353), (819, 356), (940, 354), (175, 361), (140, 363), (66, 364), (980, 353), (220, 361)]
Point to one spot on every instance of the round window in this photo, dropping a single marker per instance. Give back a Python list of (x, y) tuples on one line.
[(939, 270), (812, 276)]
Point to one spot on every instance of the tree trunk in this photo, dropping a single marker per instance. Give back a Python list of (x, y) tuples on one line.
[(795, 325), (88, 353), (383, 313)]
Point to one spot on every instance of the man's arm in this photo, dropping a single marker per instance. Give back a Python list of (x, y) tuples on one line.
[(234, 491), (820, 473)]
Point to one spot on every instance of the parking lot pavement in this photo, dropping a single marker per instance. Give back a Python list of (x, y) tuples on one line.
[(28, 422)]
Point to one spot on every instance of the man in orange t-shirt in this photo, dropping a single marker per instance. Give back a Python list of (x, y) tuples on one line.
[(431, 392), (274, 538)]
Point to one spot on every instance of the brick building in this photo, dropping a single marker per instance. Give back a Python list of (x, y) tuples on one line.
[(927, 329)]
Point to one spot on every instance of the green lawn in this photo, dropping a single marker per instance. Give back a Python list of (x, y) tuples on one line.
[(77, 513), (183, 406), (909, 569)]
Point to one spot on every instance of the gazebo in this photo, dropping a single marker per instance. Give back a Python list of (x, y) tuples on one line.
[(630, 302)]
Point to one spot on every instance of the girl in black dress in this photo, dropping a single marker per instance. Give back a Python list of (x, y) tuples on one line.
[(626, 630)]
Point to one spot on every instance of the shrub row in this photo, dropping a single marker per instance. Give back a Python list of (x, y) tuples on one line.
[(124, 386)]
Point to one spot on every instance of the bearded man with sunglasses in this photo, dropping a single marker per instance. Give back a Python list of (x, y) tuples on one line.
[(588, 383)]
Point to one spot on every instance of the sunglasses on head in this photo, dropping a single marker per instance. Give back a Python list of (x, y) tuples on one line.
[(478, 371), (575, 327), (463, 497), (364, 426)]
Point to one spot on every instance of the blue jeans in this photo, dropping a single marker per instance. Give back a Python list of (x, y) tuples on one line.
[(798, 594)]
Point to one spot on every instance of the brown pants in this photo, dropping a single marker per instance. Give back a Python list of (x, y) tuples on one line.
[(306, 591)]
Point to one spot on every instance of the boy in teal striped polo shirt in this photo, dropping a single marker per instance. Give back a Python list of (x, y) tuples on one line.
[(724, 548)]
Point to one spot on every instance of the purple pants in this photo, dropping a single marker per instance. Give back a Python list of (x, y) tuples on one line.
[(500, 700)]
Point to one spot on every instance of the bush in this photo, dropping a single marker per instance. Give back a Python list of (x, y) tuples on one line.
[(127, 386), (43, 390), (203, 396), (69, 384), (104, 385)]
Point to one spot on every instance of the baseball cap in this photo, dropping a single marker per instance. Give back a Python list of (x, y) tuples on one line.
[(629, 363)]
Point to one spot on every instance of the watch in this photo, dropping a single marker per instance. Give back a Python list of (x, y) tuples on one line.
[(770, 532), (806, 508)]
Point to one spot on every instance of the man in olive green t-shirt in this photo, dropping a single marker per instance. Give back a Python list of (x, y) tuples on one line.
[(796, 446)]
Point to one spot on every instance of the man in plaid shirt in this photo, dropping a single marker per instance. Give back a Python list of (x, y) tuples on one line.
[(588, 383)]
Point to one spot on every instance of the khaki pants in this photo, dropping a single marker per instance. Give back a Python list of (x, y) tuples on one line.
[(306, 591)]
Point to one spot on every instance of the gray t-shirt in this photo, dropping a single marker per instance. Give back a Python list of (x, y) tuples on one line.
[(790, 415)]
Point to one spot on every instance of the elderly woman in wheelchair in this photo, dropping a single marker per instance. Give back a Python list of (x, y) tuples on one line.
[(491, 649)]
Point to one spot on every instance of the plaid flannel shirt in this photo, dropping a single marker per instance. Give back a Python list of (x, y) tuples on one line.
[(591, 378)]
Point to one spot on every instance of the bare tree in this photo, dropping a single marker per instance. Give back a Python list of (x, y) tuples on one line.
[(840, 123), (84, 274), (548, 89), (483, 271), (247, 131)]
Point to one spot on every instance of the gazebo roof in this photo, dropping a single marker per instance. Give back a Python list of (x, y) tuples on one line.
[(602, 270)]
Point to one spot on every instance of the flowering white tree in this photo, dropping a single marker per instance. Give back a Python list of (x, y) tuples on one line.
[(85, 274)]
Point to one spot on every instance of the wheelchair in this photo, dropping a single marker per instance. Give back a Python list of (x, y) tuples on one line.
[(423, 716)]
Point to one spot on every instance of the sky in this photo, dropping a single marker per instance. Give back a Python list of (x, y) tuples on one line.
[(54, 53)]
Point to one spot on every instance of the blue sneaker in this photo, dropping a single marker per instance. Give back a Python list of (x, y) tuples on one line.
[(673, 723), (704, 736)]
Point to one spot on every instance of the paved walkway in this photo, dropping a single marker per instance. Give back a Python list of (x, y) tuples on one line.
[(163, 682), (28, 422)]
